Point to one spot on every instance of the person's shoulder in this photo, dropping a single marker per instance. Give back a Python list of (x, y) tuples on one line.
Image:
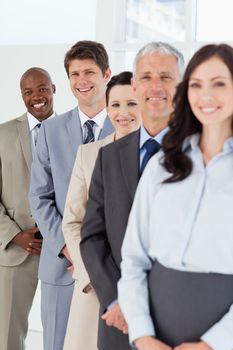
[(11, 124), (125, 140), (93, 146), (60, 118), (155, 168)]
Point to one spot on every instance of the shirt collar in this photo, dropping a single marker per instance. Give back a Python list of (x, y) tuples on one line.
[(32, 121), (193, 143), (144, 136), (98, 118)]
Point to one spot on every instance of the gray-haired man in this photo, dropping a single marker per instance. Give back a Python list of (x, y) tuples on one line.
[(157, 71)]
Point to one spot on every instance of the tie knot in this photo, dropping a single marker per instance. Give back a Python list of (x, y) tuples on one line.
[(89, 123), (151, 146), (90, 137)]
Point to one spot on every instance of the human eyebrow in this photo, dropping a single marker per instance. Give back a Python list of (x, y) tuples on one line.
[(219, 77), (144, 75), (89, 70), (26, 91), (74, 72), (194, 79), (166, 73)]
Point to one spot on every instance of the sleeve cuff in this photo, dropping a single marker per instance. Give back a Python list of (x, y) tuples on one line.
[(6, 239), (218, 338), (140, 326), (112, 304)]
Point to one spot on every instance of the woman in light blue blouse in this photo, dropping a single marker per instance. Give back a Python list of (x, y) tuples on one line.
[(176, 290)]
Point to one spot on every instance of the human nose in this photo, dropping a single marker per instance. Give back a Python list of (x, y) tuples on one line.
[(82, 78), (36, 95), (206, 94), (124, 110), (156, 83)]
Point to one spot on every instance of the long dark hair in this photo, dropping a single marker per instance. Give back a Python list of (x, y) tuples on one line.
[(183, 122)]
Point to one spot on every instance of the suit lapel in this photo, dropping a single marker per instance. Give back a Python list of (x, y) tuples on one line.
[(129, 156), (74, 129), (107, 128), (24, 138)]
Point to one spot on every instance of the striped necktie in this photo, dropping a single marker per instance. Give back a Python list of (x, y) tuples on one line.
[(90, 137)]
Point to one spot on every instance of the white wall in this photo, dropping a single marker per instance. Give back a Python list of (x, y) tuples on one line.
[(38, 33), (15, 60)]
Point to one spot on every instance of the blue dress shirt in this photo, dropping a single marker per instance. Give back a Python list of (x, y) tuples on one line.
[(186, 226)]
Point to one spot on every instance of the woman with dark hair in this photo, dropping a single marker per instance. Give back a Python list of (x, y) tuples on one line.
[(124, 113), (176, 290)]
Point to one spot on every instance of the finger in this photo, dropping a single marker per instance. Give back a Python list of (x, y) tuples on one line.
[(35, 245), (109, 322), (105, 315), (37, 240), (33, 230), (35, 251)]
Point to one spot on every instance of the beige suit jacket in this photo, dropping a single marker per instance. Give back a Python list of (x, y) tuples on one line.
[(76, 201), (15, 164)]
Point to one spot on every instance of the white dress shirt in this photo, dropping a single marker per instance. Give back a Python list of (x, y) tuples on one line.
[(186, 226), (99, 120), (33, 122)]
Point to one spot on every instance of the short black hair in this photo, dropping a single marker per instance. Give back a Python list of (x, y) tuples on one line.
[(123, 78)]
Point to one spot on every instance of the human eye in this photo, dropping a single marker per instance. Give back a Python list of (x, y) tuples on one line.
[(194, 85), (132, 103), (115, 105), (145, 77), (43, 89), (27, 93), (166, 77), (219, 83), (90, 72), (73, 74)]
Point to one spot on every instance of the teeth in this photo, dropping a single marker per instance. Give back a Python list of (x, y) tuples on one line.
[(209, 109), (84, 90), (156, 98), (124, 121), (38, 105)]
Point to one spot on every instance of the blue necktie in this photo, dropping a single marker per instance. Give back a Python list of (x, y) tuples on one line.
[(37, 129), (151, 147), (90, 137)]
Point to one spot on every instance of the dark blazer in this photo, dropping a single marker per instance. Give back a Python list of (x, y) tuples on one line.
[(111, 195)]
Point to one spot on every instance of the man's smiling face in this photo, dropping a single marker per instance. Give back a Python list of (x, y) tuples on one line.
[(37, 92), (87, 81)]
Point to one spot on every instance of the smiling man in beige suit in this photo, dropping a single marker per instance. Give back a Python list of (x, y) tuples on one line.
[(20, 243)]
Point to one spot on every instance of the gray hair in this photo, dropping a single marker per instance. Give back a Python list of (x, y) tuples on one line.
[(163, 49)]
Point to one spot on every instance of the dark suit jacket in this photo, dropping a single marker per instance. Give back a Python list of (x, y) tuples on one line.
[(111, 195)]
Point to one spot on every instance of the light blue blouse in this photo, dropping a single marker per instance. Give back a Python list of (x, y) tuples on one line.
[(187, 225)]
